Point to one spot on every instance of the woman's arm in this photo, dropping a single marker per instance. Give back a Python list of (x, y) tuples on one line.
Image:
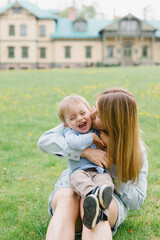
[(53, 142), (97, 156), (133, 195)]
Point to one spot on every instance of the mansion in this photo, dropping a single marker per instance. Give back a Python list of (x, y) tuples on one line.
[(31, 38)]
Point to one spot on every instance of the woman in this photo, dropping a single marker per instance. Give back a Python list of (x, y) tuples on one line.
[(116, 113)]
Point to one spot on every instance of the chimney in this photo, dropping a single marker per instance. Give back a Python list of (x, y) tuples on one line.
[(71, 13)]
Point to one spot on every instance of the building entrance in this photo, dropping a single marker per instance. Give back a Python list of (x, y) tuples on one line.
[(127, 54)]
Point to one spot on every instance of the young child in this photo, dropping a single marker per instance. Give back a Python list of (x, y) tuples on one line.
[(90, 181)]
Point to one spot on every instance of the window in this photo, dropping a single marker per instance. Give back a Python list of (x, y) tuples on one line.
[(88, 52), (136, 51), (24, 52), (80, 26), (11, 30), (10, 52), (42, 31), (145, 51), (128, 25), (42, 52), (110, 51), (23, 30), (17, 10), (118, 50), (67, 52)]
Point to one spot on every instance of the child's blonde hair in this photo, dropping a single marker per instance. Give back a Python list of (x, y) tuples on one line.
[(67, 102)]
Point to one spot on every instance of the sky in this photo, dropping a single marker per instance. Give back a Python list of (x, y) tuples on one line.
[(109, 8)]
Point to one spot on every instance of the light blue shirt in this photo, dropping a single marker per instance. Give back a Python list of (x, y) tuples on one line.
[(79, 142), (131, 194)]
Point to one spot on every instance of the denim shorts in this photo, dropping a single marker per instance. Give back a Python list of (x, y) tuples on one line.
[(63, 182)]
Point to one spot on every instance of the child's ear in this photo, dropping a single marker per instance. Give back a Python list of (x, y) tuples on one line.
[(65, 125)]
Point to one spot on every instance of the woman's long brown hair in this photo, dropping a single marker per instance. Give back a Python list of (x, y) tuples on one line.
[(118, 111)]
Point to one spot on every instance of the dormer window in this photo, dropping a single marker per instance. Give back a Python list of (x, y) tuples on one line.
[(128, 25), (80, 25), (17, 10)]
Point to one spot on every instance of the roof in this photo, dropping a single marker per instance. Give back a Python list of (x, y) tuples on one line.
[(155, 24), (30, 7), (65, 29), (145, 26)]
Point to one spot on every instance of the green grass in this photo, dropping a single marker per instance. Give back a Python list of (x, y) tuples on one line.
[(28, 107)]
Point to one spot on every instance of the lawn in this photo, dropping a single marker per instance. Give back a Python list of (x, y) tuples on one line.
[(28, 107)]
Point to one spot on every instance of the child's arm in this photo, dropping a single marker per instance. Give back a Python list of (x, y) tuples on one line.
[(82, 141), (53, 142)]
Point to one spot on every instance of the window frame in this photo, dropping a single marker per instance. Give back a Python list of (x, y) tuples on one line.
[(80, 26), (42, 54), (23, 30), (42, 31), (24, 48), (88, 51), (112, 51), (17, 10), (67, 52), (11, 49), (145, 51), (128, 25), (11, 30)]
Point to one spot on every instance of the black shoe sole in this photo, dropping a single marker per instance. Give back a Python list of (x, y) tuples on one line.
[(105, 196), (91, 211)]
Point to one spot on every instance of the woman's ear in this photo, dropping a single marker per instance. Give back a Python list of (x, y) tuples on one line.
[(65, 125)]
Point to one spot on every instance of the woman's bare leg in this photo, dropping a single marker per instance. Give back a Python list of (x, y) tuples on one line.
[(103, 229), (65, 205), (113, 213)]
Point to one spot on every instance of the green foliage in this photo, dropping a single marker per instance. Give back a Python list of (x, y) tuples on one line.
[(28, 107), (88, 12), (63, 13), (84, 12)]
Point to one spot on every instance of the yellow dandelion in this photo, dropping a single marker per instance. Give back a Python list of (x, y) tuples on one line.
[(86, 87), (30, 134)]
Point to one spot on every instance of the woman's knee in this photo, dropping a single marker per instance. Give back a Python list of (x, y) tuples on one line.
[(65, 199)]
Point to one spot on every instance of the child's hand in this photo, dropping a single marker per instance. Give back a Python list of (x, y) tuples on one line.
[(104, 137), (99, 143)]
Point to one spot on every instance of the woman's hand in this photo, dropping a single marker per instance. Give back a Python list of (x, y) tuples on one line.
[(104, 137), (96, 156)]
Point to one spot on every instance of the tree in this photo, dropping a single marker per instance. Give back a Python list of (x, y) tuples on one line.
[(88, 12), (84, 12)]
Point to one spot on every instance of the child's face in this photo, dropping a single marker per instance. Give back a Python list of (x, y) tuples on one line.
[(78, 118)]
